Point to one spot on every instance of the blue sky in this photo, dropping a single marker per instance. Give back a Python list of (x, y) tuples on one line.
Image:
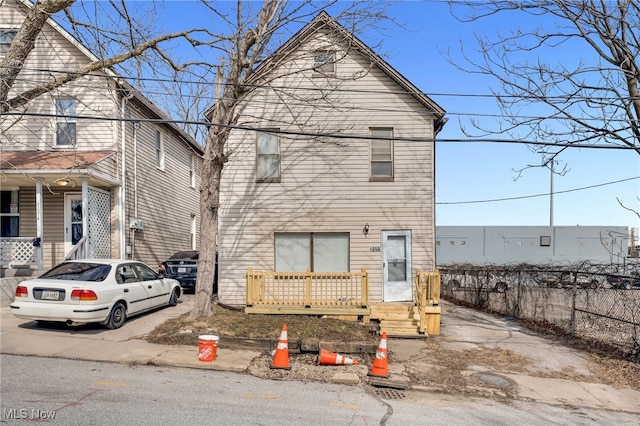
[(484, 171)]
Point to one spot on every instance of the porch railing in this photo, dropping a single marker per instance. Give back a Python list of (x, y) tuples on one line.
[(341, 293), (79, 251), (18, 251), (427, 298)]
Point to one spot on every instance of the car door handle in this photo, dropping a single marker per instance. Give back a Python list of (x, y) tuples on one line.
[(126, 290)]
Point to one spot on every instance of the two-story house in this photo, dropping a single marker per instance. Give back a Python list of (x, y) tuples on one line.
[(339, 173), (93, 168)]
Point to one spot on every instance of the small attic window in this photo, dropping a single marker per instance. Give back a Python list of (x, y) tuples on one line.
[(324, 62)]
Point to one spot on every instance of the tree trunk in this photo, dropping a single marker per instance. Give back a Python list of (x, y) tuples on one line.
[(209, 206)]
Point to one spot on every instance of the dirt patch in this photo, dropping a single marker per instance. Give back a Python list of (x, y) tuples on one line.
[(441, 370), (185, 330)]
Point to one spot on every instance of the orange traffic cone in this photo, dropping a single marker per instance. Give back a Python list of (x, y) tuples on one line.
[(281, 356), (380, 366), (331, 358)]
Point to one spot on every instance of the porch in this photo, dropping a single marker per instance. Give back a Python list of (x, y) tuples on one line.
[(55, 206), (345, 295)]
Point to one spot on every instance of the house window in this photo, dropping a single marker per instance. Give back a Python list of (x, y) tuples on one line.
[(545, 240), (319, 252), (6, 37), (65, 122), (381, 154), (10, 213), (324, 62), (192, 171), (159, 150), (193, 232), (268, 157)]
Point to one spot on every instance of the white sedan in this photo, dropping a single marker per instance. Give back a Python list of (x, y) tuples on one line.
[(104, 291)]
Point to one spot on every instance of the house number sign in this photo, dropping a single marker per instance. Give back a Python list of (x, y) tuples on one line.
[(374, 248)]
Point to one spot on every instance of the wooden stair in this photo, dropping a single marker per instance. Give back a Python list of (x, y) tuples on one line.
[(397, 319)]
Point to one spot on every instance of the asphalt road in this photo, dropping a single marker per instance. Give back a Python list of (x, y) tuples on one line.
[(61, 391)]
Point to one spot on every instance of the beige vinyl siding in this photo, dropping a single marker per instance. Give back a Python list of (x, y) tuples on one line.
[(324, 185), (55, 53), (165, 198)]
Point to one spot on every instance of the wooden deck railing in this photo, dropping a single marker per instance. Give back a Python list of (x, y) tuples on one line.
[(427, 298), (340, 293)]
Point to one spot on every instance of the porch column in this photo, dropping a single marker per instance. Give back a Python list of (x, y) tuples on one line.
[(85, 219), (39, 222)]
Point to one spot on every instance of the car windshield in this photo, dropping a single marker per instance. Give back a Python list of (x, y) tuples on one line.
[(76, 271)]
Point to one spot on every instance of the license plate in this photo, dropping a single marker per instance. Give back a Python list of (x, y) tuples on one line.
[(182, 270), (50, 295)]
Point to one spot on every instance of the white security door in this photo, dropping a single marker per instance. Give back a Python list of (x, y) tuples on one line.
[(396, 266), (72, 221)]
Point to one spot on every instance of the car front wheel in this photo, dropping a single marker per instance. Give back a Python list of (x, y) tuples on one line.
[(118, 316)]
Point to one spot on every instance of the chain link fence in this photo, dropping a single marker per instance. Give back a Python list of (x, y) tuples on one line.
[(598, 304)]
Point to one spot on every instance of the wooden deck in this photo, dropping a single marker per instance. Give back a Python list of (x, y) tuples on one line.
[(344, 295)]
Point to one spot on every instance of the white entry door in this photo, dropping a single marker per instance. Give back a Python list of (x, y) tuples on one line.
[(396, 267), (72, 221)]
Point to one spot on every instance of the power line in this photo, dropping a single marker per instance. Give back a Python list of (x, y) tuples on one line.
[(323, 134), (537, 195), (306, 88)]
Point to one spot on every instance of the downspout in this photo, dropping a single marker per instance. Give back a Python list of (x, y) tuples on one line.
[(135, 186), (123, 192)]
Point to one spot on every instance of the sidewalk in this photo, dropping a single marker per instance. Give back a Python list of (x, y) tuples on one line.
[(461, 329)]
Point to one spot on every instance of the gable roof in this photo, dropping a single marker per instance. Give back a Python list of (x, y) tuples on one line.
[(323, 20), (119, 80)]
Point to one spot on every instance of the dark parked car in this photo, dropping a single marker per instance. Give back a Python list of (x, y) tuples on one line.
[(183, 266), (624, 281)]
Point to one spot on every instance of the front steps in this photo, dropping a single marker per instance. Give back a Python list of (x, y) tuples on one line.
[(401, 319), (397, 319)]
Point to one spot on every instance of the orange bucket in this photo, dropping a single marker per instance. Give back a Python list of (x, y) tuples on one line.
[(207, 348)]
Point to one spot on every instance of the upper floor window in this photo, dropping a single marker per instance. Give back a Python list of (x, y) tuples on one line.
[(159, 150), (268, 157), (9, 213), (6, 37), (192, 233), (324, 62), (65, 122), (381, 153), (192, 170)]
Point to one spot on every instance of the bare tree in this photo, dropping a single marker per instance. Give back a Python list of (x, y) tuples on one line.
[(572, 100), (243, 45), (237, 78)]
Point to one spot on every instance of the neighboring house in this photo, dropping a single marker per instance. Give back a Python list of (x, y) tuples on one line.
[(92, 169), (295, 199), (500, 245)]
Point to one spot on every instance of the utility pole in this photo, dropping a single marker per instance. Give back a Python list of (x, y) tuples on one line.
[(551, 194)]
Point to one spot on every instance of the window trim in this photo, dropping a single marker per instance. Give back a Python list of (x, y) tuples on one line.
[(319, 67), (160, 151), (192, 171), (391, 140), (193, 232), (311, 236), (258, 155), (61, 119), (8, 45), (14, 192)]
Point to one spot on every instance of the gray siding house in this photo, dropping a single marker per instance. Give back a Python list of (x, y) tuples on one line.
[(339, 175), (118, 182)]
